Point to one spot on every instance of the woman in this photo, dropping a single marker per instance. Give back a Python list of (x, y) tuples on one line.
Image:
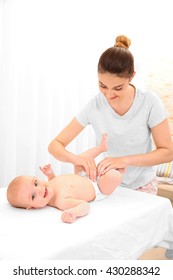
[(130, 117)]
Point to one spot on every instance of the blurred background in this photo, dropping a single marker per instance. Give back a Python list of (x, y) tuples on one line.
[(49, 50)]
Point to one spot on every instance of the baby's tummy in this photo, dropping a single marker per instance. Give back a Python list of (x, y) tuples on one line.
[(82, 188)]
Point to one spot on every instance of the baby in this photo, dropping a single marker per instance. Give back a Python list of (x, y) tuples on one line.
[(70, 193)]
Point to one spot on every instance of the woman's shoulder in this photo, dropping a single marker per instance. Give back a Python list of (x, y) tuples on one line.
[(97, 98), (96, 101), (147, 94), (152, 102)]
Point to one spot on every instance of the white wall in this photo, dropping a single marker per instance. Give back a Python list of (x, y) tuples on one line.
[(49, 51)]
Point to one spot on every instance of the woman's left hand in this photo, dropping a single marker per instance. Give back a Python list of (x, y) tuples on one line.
[(110, 163)]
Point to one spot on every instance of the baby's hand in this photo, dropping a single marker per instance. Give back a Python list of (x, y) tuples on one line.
[(47, 170), (68, 216)]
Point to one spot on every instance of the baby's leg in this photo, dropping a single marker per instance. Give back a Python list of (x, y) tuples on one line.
[(109, 181), (94, 152)]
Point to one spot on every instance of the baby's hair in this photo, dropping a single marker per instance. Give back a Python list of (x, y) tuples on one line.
[(12, 192), (118, 59)]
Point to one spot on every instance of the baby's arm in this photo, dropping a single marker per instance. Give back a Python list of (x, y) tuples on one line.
[(73, 208), (48, 171)]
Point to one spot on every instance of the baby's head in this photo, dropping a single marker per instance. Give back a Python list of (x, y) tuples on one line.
[(28, 192)]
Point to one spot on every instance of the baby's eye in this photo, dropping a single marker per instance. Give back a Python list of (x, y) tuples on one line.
[(33, 196), (35, 183)]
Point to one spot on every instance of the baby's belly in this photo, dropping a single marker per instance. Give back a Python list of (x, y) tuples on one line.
[(81, 188)]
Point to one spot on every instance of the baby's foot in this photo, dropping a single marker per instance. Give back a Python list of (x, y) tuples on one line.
[(103, 144)]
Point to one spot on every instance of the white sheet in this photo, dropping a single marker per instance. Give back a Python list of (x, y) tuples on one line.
[(120, 227)]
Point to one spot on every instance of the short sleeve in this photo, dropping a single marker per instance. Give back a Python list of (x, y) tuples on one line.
[(82, 116), (157, 110)]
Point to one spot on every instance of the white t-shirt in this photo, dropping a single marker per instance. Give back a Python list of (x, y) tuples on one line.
[(129, 134)]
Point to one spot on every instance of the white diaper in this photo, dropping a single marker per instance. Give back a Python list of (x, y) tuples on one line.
[(99, 194)]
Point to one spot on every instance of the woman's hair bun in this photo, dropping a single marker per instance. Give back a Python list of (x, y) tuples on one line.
[(122, 41)]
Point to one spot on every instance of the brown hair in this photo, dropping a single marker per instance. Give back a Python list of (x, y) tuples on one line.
[(118, 59)]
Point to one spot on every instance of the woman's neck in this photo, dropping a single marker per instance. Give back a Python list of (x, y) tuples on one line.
[(123, 105)]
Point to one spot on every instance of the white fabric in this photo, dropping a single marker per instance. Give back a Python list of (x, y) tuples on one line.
[(129, 134), (168, 241), (98, 193), (165, 180), (122, 226)]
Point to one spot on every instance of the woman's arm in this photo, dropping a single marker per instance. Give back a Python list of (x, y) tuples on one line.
[(58, 145), (163, 152), (57, 148)]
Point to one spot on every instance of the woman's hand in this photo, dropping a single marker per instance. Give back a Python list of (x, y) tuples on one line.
[(111, 163), (87, 165)]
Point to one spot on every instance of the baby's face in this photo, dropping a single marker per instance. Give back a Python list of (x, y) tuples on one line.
[(34, 192)]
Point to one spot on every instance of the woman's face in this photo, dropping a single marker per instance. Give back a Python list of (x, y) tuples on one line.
[(114, 88)]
